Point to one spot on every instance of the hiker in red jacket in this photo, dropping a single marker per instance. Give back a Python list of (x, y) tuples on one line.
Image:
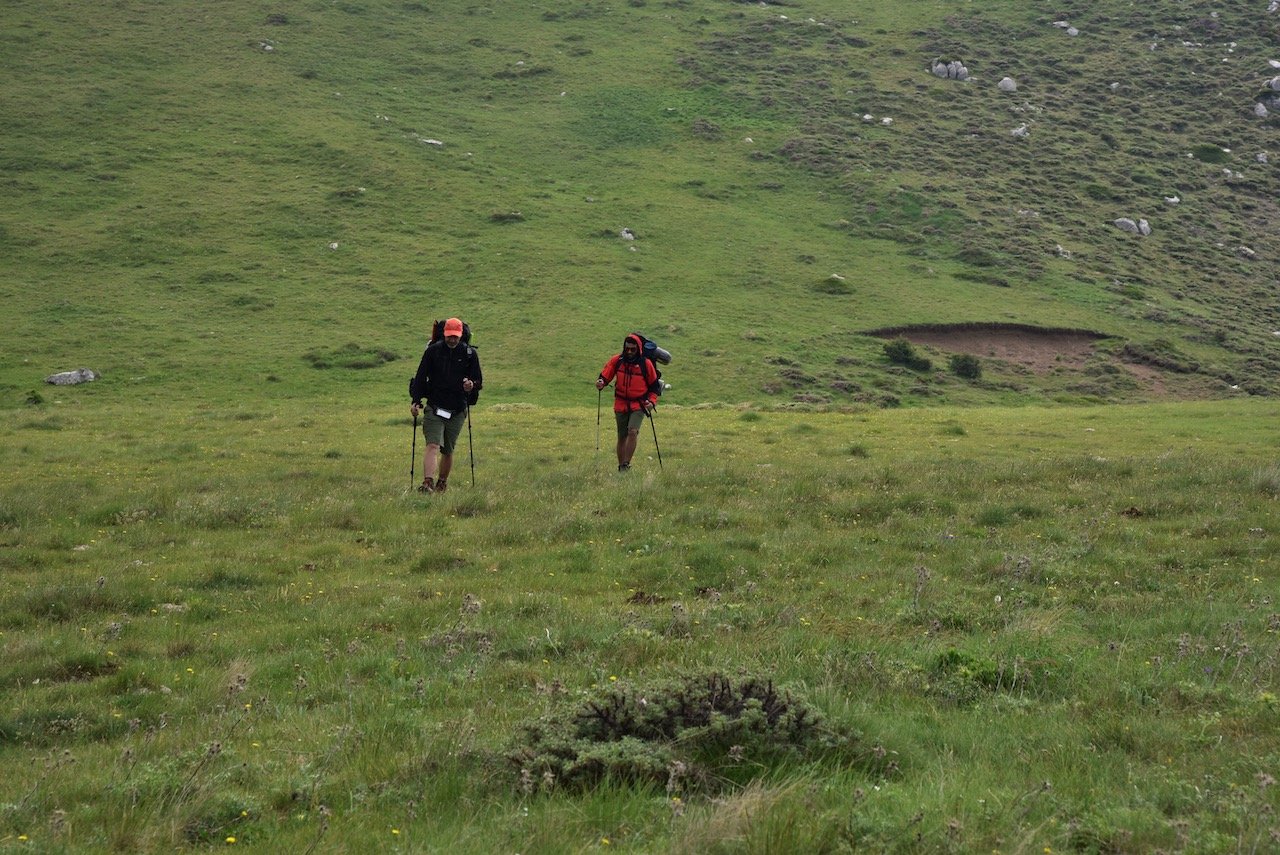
[(635, 394)]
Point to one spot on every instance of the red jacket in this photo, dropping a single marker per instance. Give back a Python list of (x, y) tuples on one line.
[(637, 380)]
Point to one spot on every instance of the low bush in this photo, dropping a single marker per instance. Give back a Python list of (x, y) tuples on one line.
[(901, 352), (688, 733), (966, 365)]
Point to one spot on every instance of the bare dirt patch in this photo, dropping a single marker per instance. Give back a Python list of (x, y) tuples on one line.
[(1039, 350)]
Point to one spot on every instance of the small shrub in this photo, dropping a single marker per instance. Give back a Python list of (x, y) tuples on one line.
[(901, 352), (1208, 153), (698, 732), (834, 285), (350, 355), (34, 398), (706, 129), (976, 256), (966, 365)]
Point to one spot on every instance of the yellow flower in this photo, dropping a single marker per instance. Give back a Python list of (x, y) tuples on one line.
[(231, 840), (395, 831)]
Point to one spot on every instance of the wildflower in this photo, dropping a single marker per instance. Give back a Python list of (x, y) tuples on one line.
[(231, 840)]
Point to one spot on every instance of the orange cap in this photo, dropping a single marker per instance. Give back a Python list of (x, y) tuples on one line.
[(453, 326)]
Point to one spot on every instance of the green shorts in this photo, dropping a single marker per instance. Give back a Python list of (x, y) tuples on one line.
[(628, 422), (442, 432)]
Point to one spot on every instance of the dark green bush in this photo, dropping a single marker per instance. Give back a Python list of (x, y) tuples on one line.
[(696, 732), (966, 365), (1209, 153), (901, 352)]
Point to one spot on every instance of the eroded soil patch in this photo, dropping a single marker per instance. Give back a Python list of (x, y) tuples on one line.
[(1039, 350)]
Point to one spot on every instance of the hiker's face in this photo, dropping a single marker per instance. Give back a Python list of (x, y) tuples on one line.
[(629, 349), (452, 340)]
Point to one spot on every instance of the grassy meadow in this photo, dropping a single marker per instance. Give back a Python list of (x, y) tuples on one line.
[(858, 605), (1019, 629)]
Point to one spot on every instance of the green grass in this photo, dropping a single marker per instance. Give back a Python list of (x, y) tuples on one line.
[(1047, 626)]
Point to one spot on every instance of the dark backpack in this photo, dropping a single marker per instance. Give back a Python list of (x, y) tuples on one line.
[(650, 350)]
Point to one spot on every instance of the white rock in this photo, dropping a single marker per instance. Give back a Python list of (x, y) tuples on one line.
[(1007, 84), (1274, 63), (1126, 224), (1021, 131), (72, 378), (886, 121), (1260, 110), (333, 245), (1144, 227), (1261, 157), (1072, 31), (867, 117), (1172, 200)]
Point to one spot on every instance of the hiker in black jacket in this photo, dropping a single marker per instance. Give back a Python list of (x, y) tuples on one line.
[(449, 379)]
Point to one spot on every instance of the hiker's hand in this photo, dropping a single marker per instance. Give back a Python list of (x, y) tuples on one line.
[(648, 407), (467, 385), (600, 383), (414, 410)]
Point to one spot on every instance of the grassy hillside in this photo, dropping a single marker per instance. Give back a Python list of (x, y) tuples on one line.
[(207, 196), (1012, 630), (1004, 617)]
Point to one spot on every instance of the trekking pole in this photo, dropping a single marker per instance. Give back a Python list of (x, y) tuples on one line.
[(413, 455), (599, 393), (471, 448), (653, 425)]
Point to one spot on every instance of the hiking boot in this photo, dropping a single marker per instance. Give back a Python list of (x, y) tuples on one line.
[(441, 486), (428, 485), (624, 467)]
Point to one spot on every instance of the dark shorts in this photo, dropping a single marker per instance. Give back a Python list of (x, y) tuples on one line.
[(442, 432), (628, 422)]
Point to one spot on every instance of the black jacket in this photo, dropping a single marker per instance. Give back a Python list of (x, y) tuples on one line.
[(440, 375)]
